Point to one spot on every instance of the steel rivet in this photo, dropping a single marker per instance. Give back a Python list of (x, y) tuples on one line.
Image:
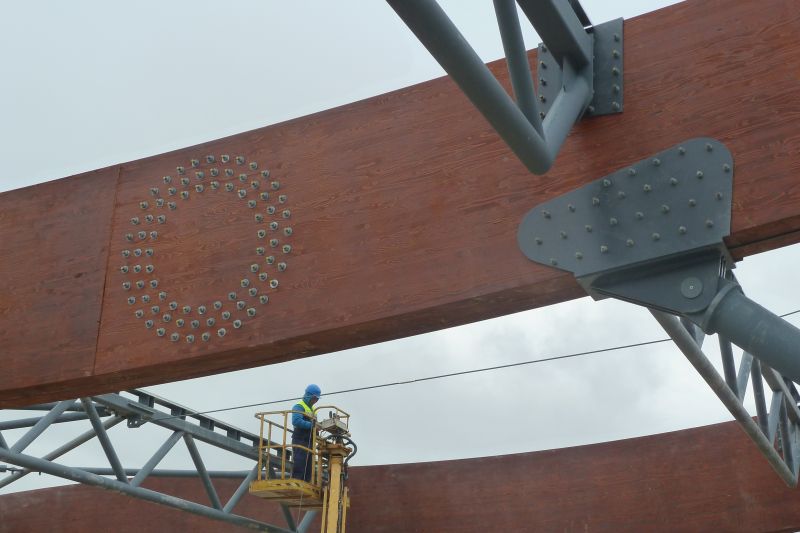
[(231, 295), (271, 210), (595, 201), (273, 283), (251, 204), (251, 311), (682, 230), (699, 174), (145, 298), (199, 187), (281, 266), (168, 179), (199, 175), (153, 235), (273, 225), (709, 223), (229, 172), (616, 37), (259, 217), (673, 181), (726, 167), (137, 252), (615, 71), (137, 268), (553, 261), (253, 165), (187, 309), (214, 172), (264, 196), (282, 199), (639, 215), (656, 162), (631, 171), (647, 187), (613, 221), (265, 173), (588, 228), (542, 98), (159, 202), (242, 193), (149, 324), (656, 236), (242, 177), (273, 242), (172, 206), (543, 64), (135, 221), (603, 249), (537, 240), (263, 298), (254, 267), (129, 237), (172, 191), (571, 208), (126, 253), (275, 185), (153, 283), (180, 170), (629, 243), (709, 147), (254, 184), (148, 218), (615, 88), (162, 296), (229, 187), (665, 208), (162, 219), (140, 284), (185, 195), (142, 234), (210, 159), (184, 181), (615, 53), (578, 255), (606, 183), (692, 202)]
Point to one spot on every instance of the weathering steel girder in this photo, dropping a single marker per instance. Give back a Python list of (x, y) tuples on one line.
[(535, 144)]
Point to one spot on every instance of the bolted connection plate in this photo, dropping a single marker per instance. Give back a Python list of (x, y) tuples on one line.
[(607, 63), (673, 203)]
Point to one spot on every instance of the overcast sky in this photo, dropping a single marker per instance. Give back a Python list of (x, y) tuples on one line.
[(90, 84)]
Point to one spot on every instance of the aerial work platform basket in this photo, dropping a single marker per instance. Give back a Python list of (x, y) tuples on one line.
[(326, 450)]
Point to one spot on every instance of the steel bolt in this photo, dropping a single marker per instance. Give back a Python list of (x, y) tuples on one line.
[(124, 269), (265, 173), (139, 313), (603, 249), (263, 298), (647, 187), (692, 202), (263, 276), (179, 322), (195, 162), (240, 305), (656, 236), (699, 174), (270, 259), (251, 204), (264, 196), (221, 332), (131, 300), (639, 215), (226, 315), (252, 291), (595, 200), (225, 158), (231, 296), (245, 283), (578, 255), (161, 332), (621, 195), (201, 309), (682, 230), (286, 248), (189, 338), (184, 181), (175, 337), (615, 106), (206, 336), (260, 250), (210, 322), (665, 208), (173, 305), (286, 213), (629, 243), (553, 261), (563, 234), (239, 159), (273, 283), (709, 223), (726, 167), (167, 317)]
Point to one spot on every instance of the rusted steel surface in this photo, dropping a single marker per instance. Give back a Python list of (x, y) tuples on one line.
[(704, 479), (404, 209)]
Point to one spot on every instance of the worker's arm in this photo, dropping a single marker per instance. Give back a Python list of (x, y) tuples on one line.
[(299, 421)]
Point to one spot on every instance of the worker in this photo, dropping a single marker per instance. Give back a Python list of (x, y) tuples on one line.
[(304, 419)]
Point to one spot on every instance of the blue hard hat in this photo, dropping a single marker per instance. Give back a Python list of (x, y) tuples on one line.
[(313, 390)]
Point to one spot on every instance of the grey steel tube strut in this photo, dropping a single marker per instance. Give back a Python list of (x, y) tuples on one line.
[(167, 472), (32, 421), (61, 450), (305, 523), (55, 469), (241, 490), (41, 425), (756, 330), (446, 44), (105, 442), (519, 67), (201, 469), (163, 450), (689, 347)]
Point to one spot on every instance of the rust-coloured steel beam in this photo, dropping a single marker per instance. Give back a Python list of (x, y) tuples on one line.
[(702, 479), (403, 211)]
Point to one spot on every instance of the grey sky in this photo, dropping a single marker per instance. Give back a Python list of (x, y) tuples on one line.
[(89, 84)]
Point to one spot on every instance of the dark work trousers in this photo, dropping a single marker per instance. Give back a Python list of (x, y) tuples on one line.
[(301, 467)]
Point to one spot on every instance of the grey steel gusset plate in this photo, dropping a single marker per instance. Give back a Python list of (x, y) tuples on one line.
[(607, 67), (675, 202)]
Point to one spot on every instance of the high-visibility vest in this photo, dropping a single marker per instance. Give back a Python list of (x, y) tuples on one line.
[(310, 413)]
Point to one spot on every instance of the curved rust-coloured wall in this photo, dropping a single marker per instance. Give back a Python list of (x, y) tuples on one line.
[(704, 479)]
